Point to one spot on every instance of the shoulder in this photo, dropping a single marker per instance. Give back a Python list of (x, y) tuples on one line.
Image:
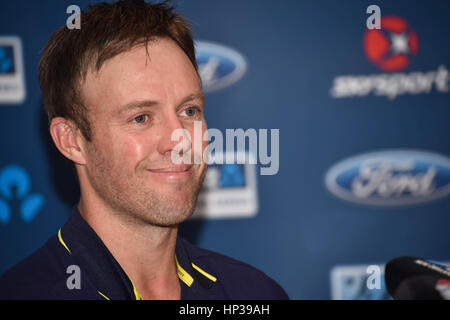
[(42, 275), (239, 279)]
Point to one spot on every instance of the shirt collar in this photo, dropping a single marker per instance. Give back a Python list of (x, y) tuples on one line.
[(106, 274)]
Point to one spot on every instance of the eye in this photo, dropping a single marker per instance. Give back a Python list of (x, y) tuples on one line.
[(141, 118), (191, 111)]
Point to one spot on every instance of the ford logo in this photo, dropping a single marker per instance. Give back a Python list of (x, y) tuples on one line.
[(390, 178), (219, 66)]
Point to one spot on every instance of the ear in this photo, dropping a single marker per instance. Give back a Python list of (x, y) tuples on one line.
[(68, 139)]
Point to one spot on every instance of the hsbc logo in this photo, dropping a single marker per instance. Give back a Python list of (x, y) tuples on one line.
[(391, 49)]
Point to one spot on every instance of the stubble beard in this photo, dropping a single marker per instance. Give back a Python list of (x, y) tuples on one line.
[(130, 196)]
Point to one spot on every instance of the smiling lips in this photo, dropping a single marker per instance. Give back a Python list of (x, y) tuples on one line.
[(181, 170)]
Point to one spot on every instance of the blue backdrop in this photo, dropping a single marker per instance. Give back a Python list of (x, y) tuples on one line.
[(315, 238)]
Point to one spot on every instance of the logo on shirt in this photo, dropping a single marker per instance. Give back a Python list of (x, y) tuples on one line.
[(390, 178), (219, 66), (12, 84), (15, 185)]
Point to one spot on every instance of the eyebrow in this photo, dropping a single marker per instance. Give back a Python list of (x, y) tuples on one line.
[(149, 103)]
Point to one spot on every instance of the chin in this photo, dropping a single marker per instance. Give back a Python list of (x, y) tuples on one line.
[(172, 209), (173, 219)]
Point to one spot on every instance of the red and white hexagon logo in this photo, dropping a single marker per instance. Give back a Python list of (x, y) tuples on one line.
[(391, 47)]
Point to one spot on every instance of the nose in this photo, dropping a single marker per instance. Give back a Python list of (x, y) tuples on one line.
[(169, 125)]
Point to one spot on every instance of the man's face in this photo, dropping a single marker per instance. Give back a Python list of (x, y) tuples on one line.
[(135, 102)]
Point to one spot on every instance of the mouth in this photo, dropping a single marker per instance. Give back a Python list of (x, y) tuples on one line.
[(173, 171)]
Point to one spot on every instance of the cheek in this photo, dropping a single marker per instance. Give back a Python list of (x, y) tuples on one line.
[(130, 150), (205, 142), (116, 152), (199, 138)]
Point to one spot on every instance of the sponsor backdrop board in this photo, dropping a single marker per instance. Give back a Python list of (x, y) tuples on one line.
[(363, 118)]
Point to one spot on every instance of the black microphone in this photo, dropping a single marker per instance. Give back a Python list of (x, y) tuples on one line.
[(410, 278)]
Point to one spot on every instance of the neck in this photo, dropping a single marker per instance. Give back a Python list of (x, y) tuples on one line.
[(145, 252)]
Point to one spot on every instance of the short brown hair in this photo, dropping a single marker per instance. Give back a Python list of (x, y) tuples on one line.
[(106, 30)]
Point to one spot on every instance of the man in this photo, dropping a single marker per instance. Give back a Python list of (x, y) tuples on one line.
[(115, 91)]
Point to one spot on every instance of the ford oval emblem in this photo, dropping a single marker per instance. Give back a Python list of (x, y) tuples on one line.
[(219, 66), (390, 178)]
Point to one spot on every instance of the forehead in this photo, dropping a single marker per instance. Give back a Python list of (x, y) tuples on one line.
[(162, 72)]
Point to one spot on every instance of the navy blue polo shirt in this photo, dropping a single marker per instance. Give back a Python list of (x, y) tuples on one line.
[(202, 274)]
